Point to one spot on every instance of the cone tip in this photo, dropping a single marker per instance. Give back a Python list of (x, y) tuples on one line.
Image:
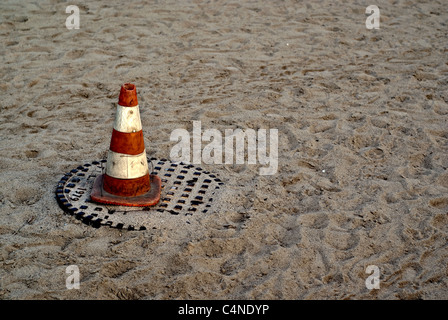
[(128, 95)]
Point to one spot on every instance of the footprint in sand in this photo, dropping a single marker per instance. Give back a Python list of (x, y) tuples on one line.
[(439, 203)]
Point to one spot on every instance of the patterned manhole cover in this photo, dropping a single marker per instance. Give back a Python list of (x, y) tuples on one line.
[(186, 191)]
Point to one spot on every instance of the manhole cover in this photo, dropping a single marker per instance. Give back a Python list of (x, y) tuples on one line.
[(187, 191)]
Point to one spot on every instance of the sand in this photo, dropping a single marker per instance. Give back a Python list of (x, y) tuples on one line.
[(363, 141)]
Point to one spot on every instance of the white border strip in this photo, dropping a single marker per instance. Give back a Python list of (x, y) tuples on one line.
[(125, 166), (127, 119)]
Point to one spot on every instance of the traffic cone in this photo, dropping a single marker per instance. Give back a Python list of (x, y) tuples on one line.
[(127, 181)]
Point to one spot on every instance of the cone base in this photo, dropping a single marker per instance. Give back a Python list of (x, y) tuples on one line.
[(147, 199)]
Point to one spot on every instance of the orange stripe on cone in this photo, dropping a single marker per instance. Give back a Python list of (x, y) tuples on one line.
[(127, 142), (126, 187)]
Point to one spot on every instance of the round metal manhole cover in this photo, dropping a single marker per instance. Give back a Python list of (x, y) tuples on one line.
[(187, 191)]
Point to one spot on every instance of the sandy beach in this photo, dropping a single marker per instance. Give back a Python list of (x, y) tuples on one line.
[(361, 115)]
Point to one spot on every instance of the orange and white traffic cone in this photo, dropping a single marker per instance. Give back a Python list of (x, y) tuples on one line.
[(127, 181)]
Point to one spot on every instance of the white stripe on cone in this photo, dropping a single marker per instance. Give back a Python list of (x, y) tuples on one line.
[(125, 166), (127, 119)]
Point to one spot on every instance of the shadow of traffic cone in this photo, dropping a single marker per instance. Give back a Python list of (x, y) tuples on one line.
[(127, 181)]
